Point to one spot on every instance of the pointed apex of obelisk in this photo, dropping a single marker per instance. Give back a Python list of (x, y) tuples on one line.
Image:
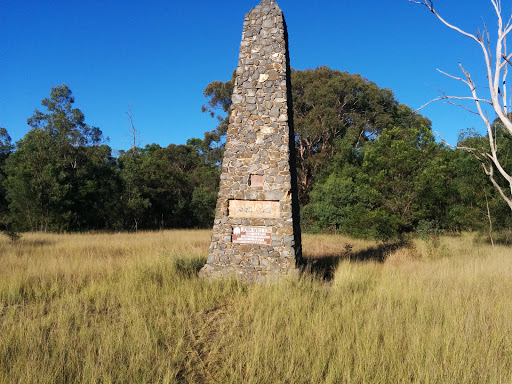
[(272, 3)]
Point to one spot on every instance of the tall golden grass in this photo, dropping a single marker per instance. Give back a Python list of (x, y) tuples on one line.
[(130, 308)]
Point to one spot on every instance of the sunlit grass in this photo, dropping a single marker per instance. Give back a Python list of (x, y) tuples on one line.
[(129, 308)]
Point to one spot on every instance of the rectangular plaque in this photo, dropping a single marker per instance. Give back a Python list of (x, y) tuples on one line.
[(254, 209), (256, 180), (252, 235)]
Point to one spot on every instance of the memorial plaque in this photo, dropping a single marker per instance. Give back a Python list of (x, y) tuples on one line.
[(254, 209), (252, 235)]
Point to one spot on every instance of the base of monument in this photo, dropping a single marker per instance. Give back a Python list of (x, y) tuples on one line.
[(247, 274)]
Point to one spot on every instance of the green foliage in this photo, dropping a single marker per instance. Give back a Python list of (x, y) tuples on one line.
[(367, 166), (334, 114), (189, 266), (332, 204), (396, 164), (64, 123), (219, 94), (343, 205), (6, 148), (404, 181), (396, 184), (471, 190), (170, 187), (35, 184), (12, 235), (203, 200), (60, 178), (427, 229)]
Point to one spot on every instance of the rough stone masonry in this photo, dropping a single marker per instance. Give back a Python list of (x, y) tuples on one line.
[(256, 233)]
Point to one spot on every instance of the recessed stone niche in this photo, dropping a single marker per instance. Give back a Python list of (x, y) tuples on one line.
[(256, 181)]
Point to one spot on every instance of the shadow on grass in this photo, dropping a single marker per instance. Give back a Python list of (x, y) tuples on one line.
[(325, 266), (189, 267), (500, 238), (34, 243)]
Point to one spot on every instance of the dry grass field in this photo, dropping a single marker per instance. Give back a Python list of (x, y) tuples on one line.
[(129, 308)]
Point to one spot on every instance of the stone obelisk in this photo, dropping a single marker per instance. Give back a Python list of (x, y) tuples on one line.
[(256, 233)]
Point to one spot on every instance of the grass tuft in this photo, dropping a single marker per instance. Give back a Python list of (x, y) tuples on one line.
[(189, 267)]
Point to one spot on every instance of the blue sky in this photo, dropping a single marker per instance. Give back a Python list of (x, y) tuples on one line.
[(158, 56)]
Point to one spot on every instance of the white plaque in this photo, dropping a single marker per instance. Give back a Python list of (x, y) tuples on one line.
[(252, 235)]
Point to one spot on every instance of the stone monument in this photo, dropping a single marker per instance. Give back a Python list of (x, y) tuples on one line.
[(256, 233)]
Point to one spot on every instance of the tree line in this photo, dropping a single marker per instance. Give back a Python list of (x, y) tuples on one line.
[(367, 166), (61, 176)]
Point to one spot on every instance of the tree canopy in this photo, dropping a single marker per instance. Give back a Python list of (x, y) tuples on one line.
[(63, 178), (367, 166)]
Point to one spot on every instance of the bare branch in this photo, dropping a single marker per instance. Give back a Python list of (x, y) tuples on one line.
[(430, 5), (488, 43), (430, 102), (454, 77), (496, 74), (135, 136), (470, 82), (507, 29), (509, 23), (449, 98), (463, 107), (507, 58), (463, 148), (504, 83)]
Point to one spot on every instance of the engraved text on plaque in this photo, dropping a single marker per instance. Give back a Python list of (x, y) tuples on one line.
[(254, 209), (252, 235)]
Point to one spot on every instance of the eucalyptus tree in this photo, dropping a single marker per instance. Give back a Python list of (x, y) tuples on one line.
[(334, 112), (61, 177)]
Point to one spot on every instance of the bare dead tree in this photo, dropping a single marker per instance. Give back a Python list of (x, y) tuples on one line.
[(496, 71), (135, 140), (135, 136), (490, 220)]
